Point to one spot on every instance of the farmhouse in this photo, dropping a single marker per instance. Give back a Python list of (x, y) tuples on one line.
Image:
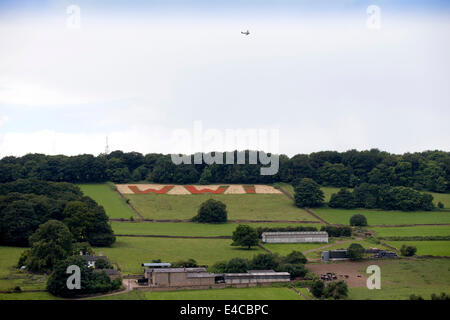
[(91, 259), (187, 277), (295, 237)]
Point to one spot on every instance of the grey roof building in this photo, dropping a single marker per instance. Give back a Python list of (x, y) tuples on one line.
[(295, 237)]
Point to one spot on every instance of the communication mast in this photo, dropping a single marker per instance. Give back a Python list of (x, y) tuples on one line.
[(107, 146)]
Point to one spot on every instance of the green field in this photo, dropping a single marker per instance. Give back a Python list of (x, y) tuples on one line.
[(403, 277), (425, 248), (379, 217), (327, 191), (441, 197), (189, 229), (284, 249), (412, 231), (130, 252), (10, 277), (258, 293), (28, 296), (239, 206), (114, 206)]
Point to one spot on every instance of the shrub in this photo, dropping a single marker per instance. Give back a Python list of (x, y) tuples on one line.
[(211, 211), (414, 297), (190, 263), (358, 220), (440, 205), (343, 199), (318, 288), (355, 251), (337, 231), (408, 251)]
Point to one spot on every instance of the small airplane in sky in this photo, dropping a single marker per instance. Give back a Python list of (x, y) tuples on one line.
[(246, 32)]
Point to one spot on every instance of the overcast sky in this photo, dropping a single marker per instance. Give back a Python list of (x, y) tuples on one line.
[(139, 71)]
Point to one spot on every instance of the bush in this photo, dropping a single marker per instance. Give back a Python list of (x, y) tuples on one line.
[(343, 199), (295, 257), (190, 263), (414, 297), (318, 288), (336, 290), (355, 251), (358, 220), (442, 296), (211, 211), (440, 205), (337, 231), (103, 263), (408, 251)]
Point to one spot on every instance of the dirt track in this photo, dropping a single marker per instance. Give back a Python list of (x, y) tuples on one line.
[(355, 278)]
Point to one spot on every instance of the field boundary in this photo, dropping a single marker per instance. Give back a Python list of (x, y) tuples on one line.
[(315, 215), (169, 236), (231, 221), (287, 194), (408, 225), (128, 204)]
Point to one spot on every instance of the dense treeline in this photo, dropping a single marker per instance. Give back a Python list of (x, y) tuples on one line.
[(27, 203), (382, 196), (428, 170)]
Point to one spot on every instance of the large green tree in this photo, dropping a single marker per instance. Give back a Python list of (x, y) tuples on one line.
[(308, 194), (52, 242), (245, 236)]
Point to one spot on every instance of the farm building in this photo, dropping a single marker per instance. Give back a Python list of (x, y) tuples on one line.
[(182, 277), (256, 276), (157, 265), (91, 259), (295, 237), (333, 255), (175, 277)]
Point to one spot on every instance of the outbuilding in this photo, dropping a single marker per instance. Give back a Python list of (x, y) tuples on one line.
[(295, 237)]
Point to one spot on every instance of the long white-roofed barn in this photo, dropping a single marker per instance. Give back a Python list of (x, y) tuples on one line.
[(295, 237)]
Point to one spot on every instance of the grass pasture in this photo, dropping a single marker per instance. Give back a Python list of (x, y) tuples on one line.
[(113, 204), (402, 277), (130, 252), (379, 217), (256, 293), (416, 231), (239, 206), (188, 228), (425, 248), (441, 197)]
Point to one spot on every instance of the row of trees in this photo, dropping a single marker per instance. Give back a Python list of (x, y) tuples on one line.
[(428, 170), (294, 263), (382, 196), (53, 250), (307, 193), (27, 203)]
